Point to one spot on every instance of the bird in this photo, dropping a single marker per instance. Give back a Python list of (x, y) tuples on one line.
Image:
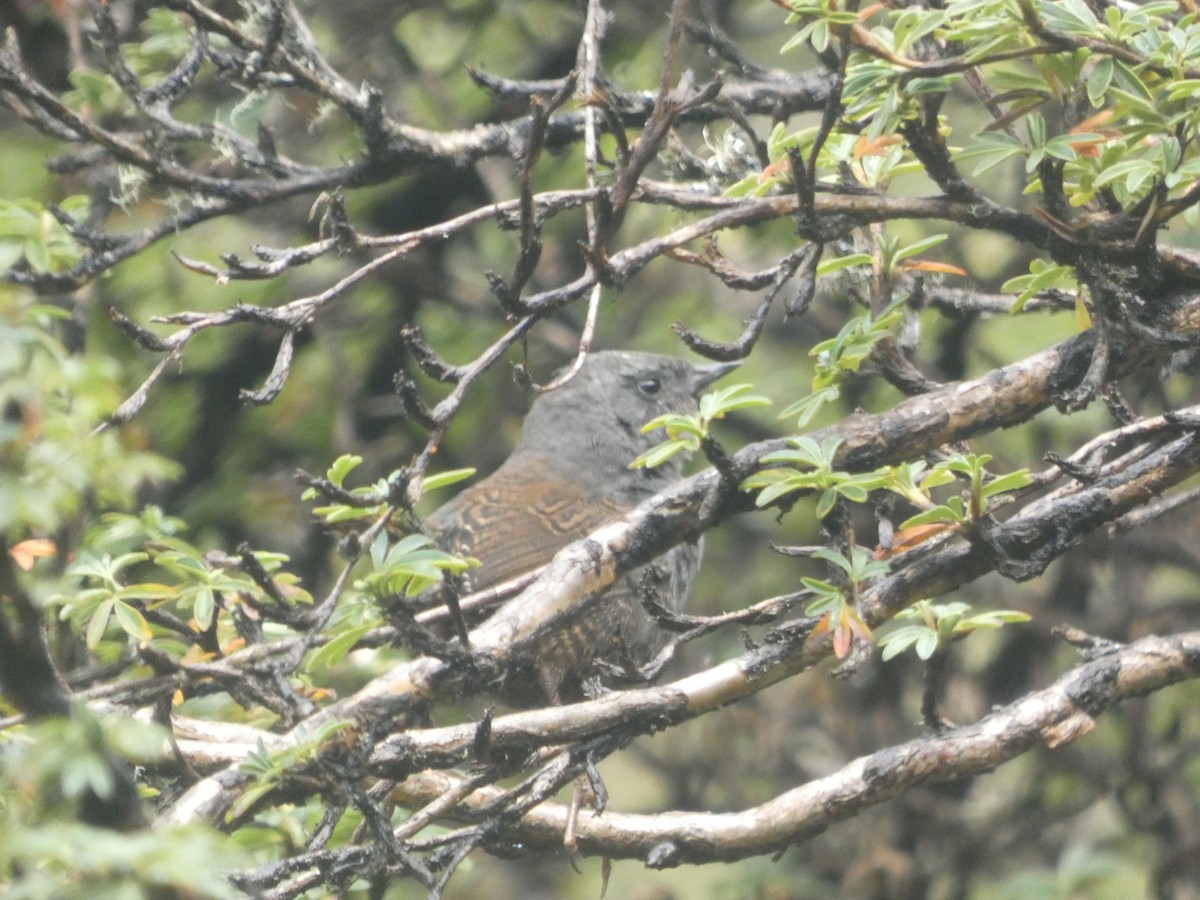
[(568, 475)]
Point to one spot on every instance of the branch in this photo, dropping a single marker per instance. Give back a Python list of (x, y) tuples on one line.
[(582, 570), (1052, 717)]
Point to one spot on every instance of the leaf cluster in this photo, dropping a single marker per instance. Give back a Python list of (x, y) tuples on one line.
[(166, 575), (268, 768), (51, 458), (370, 501), (31, 234), (46, 771), (811, 469), (973, 505), (938, 624), (837, 604), (685, 432)]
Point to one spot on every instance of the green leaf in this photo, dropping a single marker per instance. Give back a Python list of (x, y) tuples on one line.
[(747, 186), (19, 219), (845, 262), (99, 623), (1099, 79), (204, 607), (11, 252), (808, 452), (132, 621), (823, 588), (247, 799), (37, 254), (937, 515), (1043, 276), (716, 404), (998, 618), (408, 544), (343, 466), (1070, 16), (825, 503), (804, 450), (336, 648), (937, 477), (853, 492), (1010, 482), (927, 644), (918, 247), (896, 642), (990, 150), (443, 479), (669, 421), (342, 513), (1141, 168), (658, 454), (808, 407), (832, 556), (788, 482)]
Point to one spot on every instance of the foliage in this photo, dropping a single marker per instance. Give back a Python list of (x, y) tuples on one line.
[(837, 605), (685, 432), (841, 357), (976, 497), (31, 233), (189, 585), (818, 475), (409, 566), (50, 459), (938, 624), (269, 769), (372, 501), (45, 772), (812, 469)]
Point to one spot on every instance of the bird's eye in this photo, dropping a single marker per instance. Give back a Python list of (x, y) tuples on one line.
[(649, 386)]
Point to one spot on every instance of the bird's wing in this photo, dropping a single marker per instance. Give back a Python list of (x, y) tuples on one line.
[(515, 521)]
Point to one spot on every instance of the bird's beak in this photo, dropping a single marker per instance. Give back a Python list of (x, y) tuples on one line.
[(703, 376)]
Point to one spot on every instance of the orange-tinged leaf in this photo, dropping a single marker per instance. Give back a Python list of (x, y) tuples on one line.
[(821, 628), (27, 552), (177, 697), (236, 644), (780, 167), (195, 655), (842, 639), (1091, 122), (907, 538), (864, 14), (861, 629), (928, 265), (877, 147), (294, 592), (1091, 146)]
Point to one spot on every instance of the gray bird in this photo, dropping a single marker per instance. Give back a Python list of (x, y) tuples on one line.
[(569, 474)]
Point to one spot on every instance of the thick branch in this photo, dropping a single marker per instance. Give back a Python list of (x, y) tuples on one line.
[(1053, 717), (1004, 397)]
